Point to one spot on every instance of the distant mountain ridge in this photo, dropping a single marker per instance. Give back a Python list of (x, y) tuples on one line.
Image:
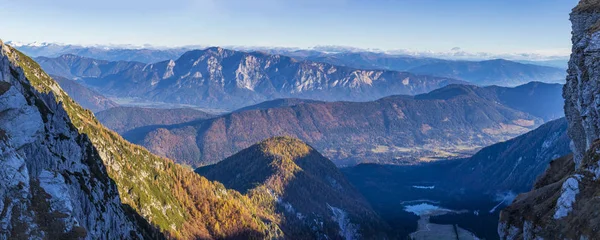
[(481, 72), (86, 97), (76, 67), (493, 72), (223, 78), (108, 53), (123, 119), (47, 49), (450, 122)]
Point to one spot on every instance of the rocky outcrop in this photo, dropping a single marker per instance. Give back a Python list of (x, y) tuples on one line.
[(564, 202), (53, 183)]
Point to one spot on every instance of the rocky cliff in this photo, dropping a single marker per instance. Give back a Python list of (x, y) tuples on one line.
[(564, 202), (53, 183)]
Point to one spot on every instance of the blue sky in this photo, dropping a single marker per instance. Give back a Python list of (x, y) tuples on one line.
[(500, 26)]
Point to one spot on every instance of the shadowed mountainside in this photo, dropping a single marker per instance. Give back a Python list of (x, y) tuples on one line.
[(307, 188)]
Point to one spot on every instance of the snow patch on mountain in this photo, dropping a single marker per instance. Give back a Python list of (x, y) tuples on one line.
[(570, 189), (348, 230)]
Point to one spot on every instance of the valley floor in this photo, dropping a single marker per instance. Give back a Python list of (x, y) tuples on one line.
[(428, 230)]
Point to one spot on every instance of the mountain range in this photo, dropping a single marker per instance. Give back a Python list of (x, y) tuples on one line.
[(221, 78), (109, 53), (493, 72), (116, 52), (484, 72), (450, 122)]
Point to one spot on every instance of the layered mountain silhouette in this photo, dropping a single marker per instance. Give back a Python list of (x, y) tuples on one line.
[(493, 72), (84, 96), (221, 78), (124, 119), (303, 185), (447, 123), (109, 53), (488, 72), (370, 60)]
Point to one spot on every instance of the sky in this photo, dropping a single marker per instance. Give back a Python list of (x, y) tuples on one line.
[(494, 26)]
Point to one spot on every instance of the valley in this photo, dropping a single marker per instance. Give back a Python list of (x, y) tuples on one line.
[(413, 120)]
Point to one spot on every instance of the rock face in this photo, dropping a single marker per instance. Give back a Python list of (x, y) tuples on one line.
[(221, 78), (53, 181), (564, 202), (582, 103), (444, 123), (305, 187)]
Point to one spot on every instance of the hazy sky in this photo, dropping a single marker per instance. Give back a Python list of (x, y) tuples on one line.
[(500, 26)]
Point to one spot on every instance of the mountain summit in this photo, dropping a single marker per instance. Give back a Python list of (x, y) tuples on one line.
[(301, 184)]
